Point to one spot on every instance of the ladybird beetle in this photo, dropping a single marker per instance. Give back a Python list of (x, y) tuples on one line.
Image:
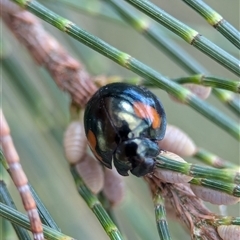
[(123, 123)]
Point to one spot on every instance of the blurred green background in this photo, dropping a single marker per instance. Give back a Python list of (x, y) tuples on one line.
[(37, 112)]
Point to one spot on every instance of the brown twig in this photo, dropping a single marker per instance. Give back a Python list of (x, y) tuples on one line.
[(68, 73), (19, 178)]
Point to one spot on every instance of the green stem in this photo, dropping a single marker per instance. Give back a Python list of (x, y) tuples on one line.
[(97, 208), (212, 160), (188, 34), (216, 20), (197, 171), (231, 100), (22, 220), (171, 49), (200, 79), (133, 64), (34, 99), (3, 160), (229, 188), (154, 34), (6, 198), (160, 214), (228, 220), (45, 216), (211, 81), (107, 206)]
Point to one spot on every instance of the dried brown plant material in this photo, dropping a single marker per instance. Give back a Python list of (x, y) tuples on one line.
[(114, 186), (75, 142), (19, 178), (188, 208), (178, 142), (91, 171), (68, 73)]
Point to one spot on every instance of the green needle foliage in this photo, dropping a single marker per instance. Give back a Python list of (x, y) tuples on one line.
[(211, 81), (200, 79), (6, 198), (171, 49), (194, 170), (229, 99), (216, 20), (231, 189), (37, 111), (133, 64), (228, 220), (212, 160), (20, 219), (45, 216), (94, 204), (161, 220), (188, 34)]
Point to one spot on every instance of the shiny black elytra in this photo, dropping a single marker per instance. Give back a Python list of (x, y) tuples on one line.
[(123, 123)]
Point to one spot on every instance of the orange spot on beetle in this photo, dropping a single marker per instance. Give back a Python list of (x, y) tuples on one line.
[(93, 143), (144, 111)]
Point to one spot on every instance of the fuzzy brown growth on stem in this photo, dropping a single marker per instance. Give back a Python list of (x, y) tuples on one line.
[(182, 204), (68, 73), (19, 178)]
